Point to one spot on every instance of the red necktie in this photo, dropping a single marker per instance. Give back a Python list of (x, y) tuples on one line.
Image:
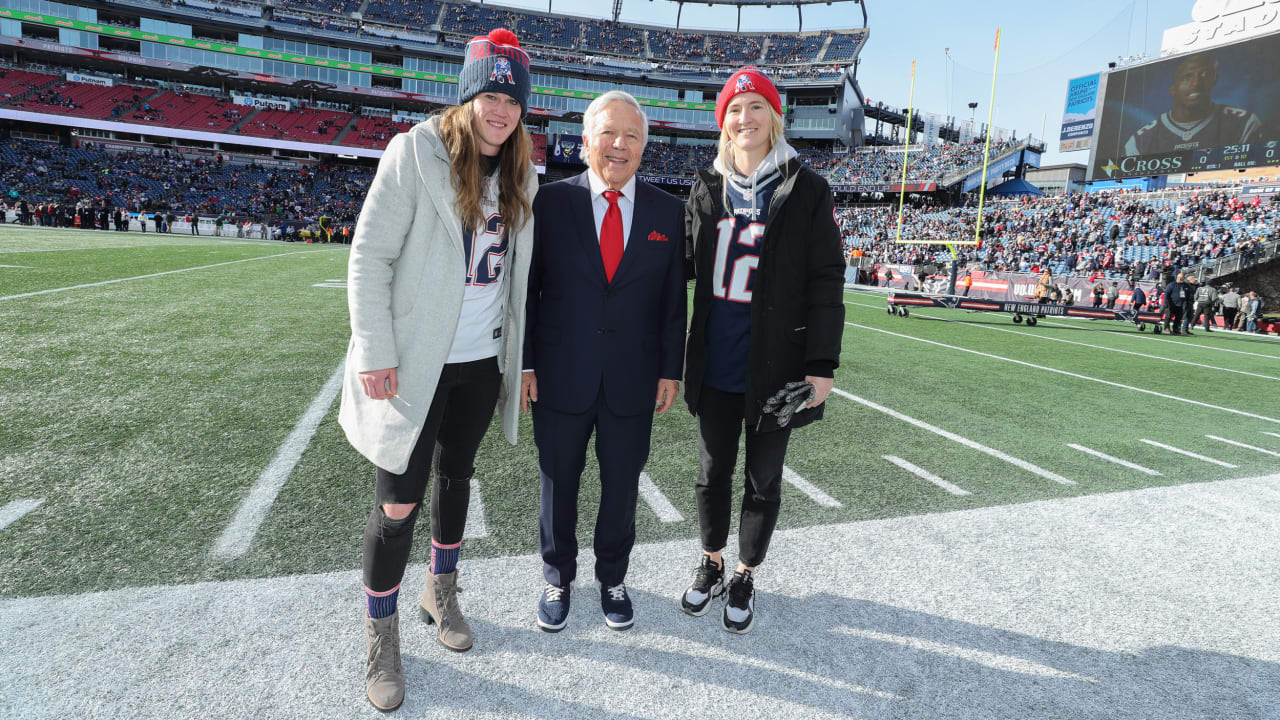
[(611, 234)]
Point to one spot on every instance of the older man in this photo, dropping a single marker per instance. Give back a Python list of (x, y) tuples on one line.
[(606, 322)]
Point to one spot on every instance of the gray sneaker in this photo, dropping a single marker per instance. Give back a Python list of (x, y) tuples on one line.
[(439, 606), (384, 675)]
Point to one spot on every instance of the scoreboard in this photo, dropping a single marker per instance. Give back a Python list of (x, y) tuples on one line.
[(1216, 109), (1230, 157)]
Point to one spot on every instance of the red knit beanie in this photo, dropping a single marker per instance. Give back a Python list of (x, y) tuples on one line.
[(748, 79)]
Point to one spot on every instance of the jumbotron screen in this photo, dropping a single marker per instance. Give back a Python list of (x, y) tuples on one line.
[(1217, 109)]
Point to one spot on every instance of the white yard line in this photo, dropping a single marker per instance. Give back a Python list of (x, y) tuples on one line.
[(20, 267), (1071, 374), (237, 536), (143, 277), (956, 438), (813, 491), (14, 511), (1116, 460), (1003, 663), (1188, 453), (925, 475), (476, 526), (1088, 345), (1264, 451), (1152, 338), (658, 502), (1264, 432)]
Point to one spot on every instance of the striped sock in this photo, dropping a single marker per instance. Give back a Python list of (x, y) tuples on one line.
[(444, 558), (382, 604)]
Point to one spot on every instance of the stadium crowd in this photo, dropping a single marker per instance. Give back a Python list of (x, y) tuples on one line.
[(1115, 235)]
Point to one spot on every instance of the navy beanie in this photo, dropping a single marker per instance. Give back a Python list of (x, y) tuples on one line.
[(495, 63)]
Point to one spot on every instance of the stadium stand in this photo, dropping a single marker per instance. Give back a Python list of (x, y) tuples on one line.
[(318, 126), (1101, 235), (189, 110), (843, 47), (83, 100), (373, 132), (546, 30), (609, 37), (16, 83), (735, 50), (678, 45), (793, 49), (338, 7)]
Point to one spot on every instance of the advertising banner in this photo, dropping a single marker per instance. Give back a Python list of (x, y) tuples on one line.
[(261, 102), (1211, 110), (90, 80), (1078, 117)]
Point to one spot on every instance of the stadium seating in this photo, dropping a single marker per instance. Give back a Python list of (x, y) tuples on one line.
[(547, 30), (735, 49), (373, 132), (189, 110), (339, 7), (14, 83), (793, 49), (84, 100), (612, 38), (677, 45), (316, 126), (1116, 235), (843, 47), (416, 15)]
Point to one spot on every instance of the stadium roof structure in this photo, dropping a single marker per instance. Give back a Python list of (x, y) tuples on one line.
[(797, 4)]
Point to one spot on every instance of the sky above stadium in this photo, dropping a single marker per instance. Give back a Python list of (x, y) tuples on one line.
[(1044, 45)]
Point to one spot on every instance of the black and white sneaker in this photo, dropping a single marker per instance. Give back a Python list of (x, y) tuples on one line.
[(708, 583), (740, 603)]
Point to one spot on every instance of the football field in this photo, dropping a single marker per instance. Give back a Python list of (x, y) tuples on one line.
[(1071, 520)]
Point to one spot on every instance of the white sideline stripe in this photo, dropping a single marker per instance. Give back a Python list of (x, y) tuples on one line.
[(1007, 663), (1264, 432), (813, 491), (237, 536), (1071, 374), (476, 526), (1078, 322), (13, 512), (1073, 342), (1141, 336), (956, 438), (22, 267), (1188, 453), (658, 502), (1116, 460), (1264, 451), (166, 272), (925, 475)]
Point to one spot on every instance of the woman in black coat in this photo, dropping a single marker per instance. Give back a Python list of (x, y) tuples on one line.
[(764, 340)]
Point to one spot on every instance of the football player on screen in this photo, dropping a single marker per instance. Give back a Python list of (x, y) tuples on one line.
[(1195, 120)]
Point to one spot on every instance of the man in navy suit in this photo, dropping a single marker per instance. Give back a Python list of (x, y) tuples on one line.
[(606, 323)]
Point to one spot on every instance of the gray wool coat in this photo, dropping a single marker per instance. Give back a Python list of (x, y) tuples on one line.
[(404, 292)]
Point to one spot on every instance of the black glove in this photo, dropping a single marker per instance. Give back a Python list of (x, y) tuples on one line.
[(788, 401)]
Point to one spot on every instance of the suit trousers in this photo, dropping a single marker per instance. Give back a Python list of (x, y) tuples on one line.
[(721, 416), (622, 448)]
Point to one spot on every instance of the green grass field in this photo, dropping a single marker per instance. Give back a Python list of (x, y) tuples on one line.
[(142, 411)]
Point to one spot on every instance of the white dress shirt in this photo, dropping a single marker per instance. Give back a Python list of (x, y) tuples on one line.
[(600, 204)]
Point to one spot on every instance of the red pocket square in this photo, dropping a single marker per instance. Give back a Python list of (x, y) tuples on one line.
[(656, 236)]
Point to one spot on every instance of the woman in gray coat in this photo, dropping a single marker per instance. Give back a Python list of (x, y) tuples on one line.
[(436, 286)]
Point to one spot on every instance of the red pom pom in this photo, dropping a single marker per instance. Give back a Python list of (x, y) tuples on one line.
[(503, 36)]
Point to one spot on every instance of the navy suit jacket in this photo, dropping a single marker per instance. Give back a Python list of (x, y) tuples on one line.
[(583, 332)]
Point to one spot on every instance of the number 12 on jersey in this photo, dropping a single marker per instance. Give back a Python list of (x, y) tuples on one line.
[(732, 276)]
